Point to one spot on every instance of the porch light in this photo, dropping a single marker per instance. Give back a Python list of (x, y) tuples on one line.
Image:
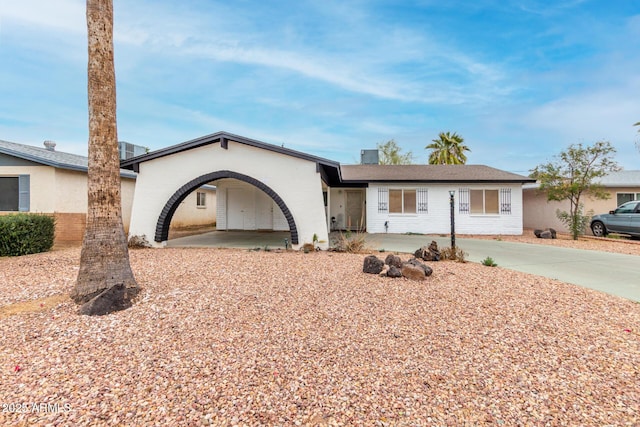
[(453, 221)]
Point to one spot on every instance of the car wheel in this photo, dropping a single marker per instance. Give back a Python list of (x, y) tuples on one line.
[(598, 229)]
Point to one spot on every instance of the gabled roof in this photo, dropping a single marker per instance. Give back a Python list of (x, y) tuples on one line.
[(329, 168), (56, 159), (430, 174)]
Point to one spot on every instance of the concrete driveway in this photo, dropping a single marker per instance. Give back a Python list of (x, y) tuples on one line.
[(615, 274)]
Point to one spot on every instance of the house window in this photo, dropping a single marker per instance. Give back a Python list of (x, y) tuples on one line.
[(14, 193), (627, 197), (481, 202), (9, 194), (505, 201), (383, 200), (402, 201), (201, 201), (422, 196)]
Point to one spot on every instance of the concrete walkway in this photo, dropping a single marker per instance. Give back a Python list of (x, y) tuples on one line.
[(615, 274)]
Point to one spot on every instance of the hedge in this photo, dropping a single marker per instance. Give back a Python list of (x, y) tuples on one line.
[(23, 233)]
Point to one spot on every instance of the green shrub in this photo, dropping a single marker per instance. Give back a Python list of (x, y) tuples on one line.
[(488, 261), (22, 234)]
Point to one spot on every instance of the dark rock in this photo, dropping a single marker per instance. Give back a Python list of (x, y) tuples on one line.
[(394, 271), (434, 251), (430, 253), (393, 260), (372, 265), (546, 234)]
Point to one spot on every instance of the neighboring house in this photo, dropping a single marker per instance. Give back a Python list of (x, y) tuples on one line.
[(266, 187), (621, 186), (43, 180)]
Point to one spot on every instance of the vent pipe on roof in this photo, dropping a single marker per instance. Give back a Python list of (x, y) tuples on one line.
[(50, 145)]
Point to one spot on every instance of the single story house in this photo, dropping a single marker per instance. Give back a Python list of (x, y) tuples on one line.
[(622, 186), (262, 186), (44, 180)]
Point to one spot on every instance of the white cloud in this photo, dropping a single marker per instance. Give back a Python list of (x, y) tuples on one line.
[(66, 15)]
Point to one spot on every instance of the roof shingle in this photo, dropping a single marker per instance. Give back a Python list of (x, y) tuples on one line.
[(57, 159), (429, 173)]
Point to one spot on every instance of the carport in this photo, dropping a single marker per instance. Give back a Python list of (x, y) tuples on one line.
[(260, 187)]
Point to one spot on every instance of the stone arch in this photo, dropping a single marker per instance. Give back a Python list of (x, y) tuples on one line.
[(164, 220)]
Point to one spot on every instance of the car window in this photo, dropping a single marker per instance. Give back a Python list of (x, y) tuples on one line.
[(627, 208)]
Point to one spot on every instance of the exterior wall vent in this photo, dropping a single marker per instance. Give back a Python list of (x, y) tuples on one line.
[(50, 145), (369, 157)]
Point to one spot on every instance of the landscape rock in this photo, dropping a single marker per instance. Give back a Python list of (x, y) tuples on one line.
[(393, 260), (413, 272), (428, 271), (394, 271), (372, 265), (548, 233), (428, 253)]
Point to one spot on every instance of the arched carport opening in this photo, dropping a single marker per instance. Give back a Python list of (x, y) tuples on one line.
[(164, 220)]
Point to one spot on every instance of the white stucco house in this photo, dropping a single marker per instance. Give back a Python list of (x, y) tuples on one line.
[(262, 186), (49, 181)]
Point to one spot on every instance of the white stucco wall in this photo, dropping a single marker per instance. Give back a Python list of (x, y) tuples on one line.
[(438, 219), (295, 180), (190, 214), (263, 215)]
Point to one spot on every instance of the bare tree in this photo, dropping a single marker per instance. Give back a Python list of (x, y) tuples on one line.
[(105, 281), (391, 154), (575, 172)]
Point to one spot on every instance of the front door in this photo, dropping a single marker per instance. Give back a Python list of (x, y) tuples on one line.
[(355, 211)]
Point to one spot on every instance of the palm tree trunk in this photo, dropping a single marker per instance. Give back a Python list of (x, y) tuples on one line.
[(105, 281)]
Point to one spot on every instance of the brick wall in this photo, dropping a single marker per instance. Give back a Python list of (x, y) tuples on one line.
[(70, 227)]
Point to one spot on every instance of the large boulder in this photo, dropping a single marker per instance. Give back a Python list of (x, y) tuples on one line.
[(427, 270), (415, 270), (372, 265), (393, 260)]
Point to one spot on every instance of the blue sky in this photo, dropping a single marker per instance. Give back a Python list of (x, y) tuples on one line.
[(520, 80)]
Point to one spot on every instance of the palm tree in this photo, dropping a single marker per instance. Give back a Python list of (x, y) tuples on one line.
[(448, 149), (105, 282)]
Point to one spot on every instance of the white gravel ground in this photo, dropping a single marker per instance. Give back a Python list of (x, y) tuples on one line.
[(232, 337)]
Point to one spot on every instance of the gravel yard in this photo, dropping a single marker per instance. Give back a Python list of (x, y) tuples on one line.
[(235, 337)]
